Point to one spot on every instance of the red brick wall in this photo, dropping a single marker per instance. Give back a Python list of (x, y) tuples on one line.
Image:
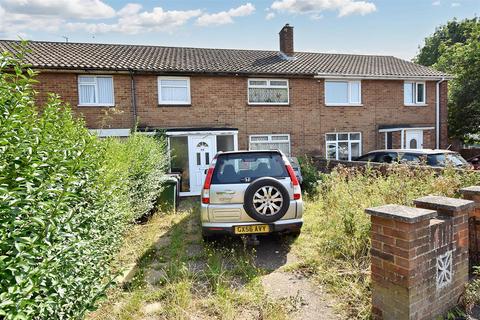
[(408, 255), (221, 101), (65, 84)]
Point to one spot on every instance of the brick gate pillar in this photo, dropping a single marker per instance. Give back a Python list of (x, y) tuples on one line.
[(417, 271), (473, 193)]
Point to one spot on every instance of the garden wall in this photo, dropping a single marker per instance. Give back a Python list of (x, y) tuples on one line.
[(420, 256)]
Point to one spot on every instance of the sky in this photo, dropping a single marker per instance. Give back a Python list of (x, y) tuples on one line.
[(383, 27)]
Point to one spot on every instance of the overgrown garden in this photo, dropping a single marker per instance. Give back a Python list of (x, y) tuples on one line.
[(335, 242)]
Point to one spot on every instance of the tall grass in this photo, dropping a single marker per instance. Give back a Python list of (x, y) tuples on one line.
[(335, 242)]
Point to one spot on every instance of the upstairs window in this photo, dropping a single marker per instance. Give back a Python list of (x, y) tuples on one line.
[(343, 93), (174, 90), (95, 91), (343, 145), (414, 93), (268, 91)]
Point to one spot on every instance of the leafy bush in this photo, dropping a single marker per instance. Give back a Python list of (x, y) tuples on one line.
[(311, 175), (65, 200), (136, 166), (335, 242)]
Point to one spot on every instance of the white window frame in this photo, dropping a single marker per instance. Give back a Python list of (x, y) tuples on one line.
[(327, 142), (414, 93), (349, 90), (268, 86), (269, 141), (95, 104), (167, 102)]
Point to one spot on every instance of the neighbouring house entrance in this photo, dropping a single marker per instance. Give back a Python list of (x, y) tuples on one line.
[(414, 139), (404, 137), (192, 151)]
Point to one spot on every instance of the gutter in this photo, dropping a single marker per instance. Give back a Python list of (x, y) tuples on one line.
[(134, 100), (379, 77), (437, 114)]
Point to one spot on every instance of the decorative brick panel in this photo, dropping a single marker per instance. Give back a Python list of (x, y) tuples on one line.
[(419, 257)]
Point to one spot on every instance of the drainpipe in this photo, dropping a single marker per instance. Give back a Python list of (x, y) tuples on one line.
[(437, 114), (134, 100)]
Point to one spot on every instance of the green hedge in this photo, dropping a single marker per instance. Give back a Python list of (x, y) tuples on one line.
[(138, 164), (65, 200)]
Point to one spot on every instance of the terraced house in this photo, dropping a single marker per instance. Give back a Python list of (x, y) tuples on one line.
[(210, 100)]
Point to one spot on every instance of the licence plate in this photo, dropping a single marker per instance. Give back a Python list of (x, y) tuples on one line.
[(255, 228)]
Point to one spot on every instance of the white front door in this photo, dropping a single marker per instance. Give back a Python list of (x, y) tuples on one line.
[(413, 139), (201, 151)]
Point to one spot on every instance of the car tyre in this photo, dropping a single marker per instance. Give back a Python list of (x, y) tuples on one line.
[(257, 194)]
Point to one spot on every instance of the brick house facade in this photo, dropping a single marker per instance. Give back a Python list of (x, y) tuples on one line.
[(219, 84), (306, 118)]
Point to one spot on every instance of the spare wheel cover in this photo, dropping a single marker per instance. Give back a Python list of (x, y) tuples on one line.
[(266, 200)]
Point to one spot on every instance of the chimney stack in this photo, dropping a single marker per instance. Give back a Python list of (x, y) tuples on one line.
[(286, 40)]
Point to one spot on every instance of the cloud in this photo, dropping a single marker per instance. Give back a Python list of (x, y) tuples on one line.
[(95, 17), (455, 4), (13, 25), (436, 3), (133, 21), (270, 16), (225, 17), (78, 9), (315, 7)]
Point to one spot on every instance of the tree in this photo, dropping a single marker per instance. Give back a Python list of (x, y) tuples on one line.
[(455, 48), (448, 34)]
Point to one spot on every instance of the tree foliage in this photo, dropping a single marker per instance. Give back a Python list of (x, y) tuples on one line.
[(452, 32), (455, 48)]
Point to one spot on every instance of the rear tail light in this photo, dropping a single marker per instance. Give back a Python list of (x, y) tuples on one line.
[(208, 182), (297, 192)]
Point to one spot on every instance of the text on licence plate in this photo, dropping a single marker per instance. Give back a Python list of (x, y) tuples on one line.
[(256, 228)]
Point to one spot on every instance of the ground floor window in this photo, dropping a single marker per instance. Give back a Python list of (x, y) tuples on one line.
[(343, 145), (270, 142), (225, 143)]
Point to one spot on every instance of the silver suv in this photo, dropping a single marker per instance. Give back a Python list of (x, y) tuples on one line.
[(251, 193)]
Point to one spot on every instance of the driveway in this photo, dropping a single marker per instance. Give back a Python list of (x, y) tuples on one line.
[(177, 275)]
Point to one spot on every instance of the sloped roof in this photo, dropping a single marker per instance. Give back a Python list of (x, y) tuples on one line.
[(116, 57)]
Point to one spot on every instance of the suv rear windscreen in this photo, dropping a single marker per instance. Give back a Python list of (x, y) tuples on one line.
[(246, 167)]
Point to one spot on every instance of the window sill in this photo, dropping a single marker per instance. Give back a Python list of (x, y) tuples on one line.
[(344, 105), (96, 105), (268, 104), (416, 105), (170, 105)]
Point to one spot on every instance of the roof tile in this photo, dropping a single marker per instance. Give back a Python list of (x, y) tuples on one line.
[(110, 57)]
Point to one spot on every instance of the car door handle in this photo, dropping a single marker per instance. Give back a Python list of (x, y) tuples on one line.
[(226, 192)]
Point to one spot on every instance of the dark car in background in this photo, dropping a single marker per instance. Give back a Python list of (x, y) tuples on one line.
[(434, 158)]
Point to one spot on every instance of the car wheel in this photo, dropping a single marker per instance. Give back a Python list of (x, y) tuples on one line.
[(266, 200)]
